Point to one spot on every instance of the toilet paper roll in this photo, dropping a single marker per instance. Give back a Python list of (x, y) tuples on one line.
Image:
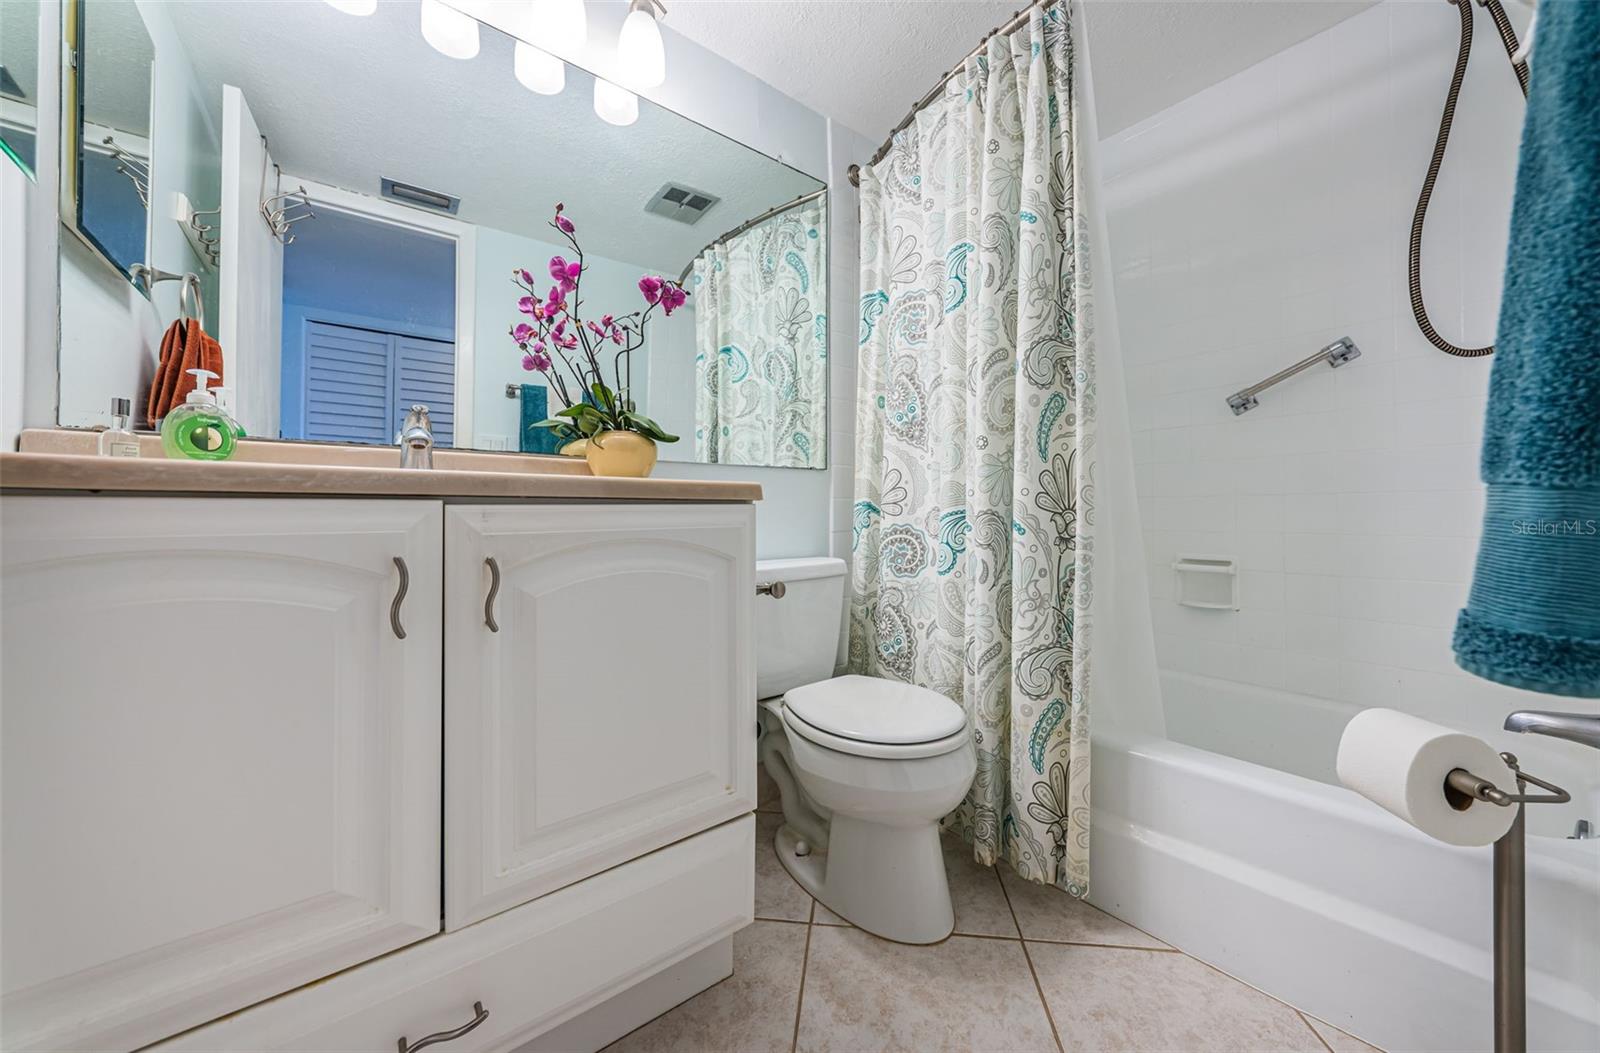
[(1400, 762)]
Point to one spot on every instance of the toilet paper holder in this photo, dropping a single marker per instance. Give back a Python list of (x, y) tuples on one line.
[(1461, 788)]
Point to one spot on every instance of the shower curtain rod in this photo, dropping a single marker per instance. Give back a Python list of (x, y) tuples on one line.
[(747, 224), (1007, 26)]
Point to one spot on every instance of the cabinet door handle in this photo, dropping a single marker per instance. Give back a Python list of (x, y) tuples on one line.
[(481, 1014), (494, 590), (399, 598)]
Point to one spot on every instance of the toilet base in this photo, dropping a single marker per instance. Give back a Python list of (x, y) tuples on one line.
[(888, 880)]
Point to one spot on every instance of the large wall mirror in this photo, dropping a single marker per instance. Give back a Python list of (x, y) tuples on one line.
[(19, 82), (375, 204), (107, 106)]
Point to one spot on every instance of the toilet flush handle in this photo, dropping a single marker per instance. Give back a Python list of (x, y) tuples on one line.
[(775, 589)]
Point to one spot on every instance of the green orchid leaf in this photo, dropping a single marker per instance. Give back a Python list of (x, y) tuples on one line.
[(645, 426)]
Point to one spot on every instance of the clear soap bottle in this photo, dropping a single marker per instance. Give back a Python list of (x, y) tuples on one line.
[(119, 439)]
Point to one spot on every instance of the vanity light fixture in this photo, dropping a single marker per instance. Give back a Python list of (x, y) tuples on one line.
[(615, 105), (563, 23), (639, 49), (537, 70), (354, 7), (450, 32)]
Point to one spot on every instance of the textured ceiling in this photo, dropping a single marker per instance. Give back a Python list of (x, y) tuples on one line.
[(348, 101), (865, 62), (861, 62), (118, 60)]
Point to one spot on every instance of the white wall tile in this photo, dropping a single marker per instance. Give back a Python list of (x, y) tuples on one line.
[(1251, 224)]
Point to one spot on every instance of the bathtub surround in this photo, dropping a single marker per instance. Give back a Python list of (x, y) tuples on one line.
[(1351, 501), (974, 518), (1533, 619), (1251, 224)]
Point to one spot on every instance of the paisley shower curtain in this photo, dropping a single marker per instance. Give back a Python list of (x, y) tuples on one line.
[(974, 525), (761, 358)]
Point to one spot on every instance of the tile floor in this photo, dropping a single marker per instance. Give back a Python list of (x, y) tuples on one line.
[(1029, 968)]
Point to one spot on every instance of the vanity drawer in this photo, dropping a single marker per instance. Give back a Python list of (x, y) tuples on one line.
[(531, 967)]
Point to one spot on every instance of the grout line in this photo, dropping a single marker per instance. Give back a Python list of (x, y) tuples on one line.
[(1037, 986), (800, 996), (783, 921), (1306, 1020), (1165, 946), (1265, 994), (1106, 946)]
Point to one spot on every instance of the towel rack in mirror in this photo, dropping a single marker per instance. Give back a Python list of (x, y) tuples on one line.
[(188, 293)]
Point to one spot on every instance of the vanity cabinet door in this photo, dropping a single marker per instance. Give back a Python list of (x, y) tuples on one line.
[(603, 704), (221, 763)]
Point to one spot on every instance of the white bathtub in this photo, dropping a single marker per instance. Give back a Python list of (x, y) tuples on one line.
[(1321, 898)]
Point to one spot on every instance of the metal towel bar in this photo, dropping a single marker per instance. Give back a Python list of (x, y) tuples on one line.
[(1335, 354)]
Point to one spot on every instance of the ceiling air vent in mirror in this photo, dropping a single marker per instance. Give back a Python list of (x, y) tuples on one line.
[(420, 197), (682, 203)]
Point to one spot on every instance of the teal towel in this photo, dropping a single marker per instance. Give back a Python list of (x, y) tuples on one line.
[(1533, 617), (535, 408)]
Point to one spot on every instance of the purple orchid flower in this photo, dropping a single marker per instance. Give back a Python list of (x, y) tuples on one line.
[(522, 333), (650, 286)]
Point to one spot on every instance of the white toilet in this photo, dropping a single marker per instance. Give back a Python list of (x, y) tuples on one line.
[(866, 768)]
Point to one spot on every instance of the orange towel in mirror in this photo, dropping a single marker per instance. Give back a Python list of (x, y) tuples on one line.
[(185, 346)]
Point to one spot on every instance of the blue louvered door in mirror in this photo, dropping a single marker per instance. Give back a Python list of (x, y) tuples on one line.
[(360, 382), (425, 372)]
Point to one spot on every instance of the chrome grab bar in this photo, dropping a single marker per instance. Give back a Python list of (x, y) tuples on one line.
[(1335, 354)]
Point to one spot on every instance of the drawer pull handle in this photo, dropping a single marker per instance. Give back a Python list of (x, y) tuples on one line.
[(481, 1014), (399, 598), (494, 590)]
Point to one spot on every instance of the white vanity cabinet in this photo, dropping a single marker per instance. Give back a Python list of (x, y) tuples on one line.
[(221, 760), (253, 745), (600, 686)]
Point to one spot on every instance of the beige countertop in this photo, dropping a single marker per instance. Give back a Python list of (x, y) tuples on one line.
[(63, 461)]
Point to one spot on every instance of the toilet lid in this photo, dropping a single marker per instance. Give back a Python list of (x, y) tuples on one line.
[(867, 709)]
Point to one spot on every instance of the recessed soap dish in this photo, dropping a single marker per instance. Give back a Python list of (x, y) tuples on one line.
[(1208, 582)]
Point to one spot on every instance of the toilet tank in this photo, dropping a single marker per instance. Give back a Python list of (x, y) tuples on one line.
[(797, 637)]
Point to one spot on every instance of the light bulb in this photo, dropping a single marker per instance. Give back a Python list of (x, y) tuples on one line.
[(615, 105), (639, 48), (564, 24), (451, 33), (354, 7), (538, 70)]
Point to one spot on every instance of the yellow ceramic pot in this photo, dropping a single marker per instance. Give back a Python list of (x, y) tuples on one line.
[(621, 453), (575, 448)]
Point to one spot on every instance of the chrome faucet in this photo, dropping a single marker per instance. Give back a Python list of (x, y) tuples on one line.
[(416, 439), (1582, 728)]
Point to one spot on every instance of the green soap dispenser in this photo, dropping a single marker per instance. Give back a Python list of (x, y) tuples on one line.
[(199, 428)]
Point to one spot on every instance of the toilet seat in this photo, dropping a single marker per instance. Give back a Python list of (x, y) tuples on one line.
[(870, 717)]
